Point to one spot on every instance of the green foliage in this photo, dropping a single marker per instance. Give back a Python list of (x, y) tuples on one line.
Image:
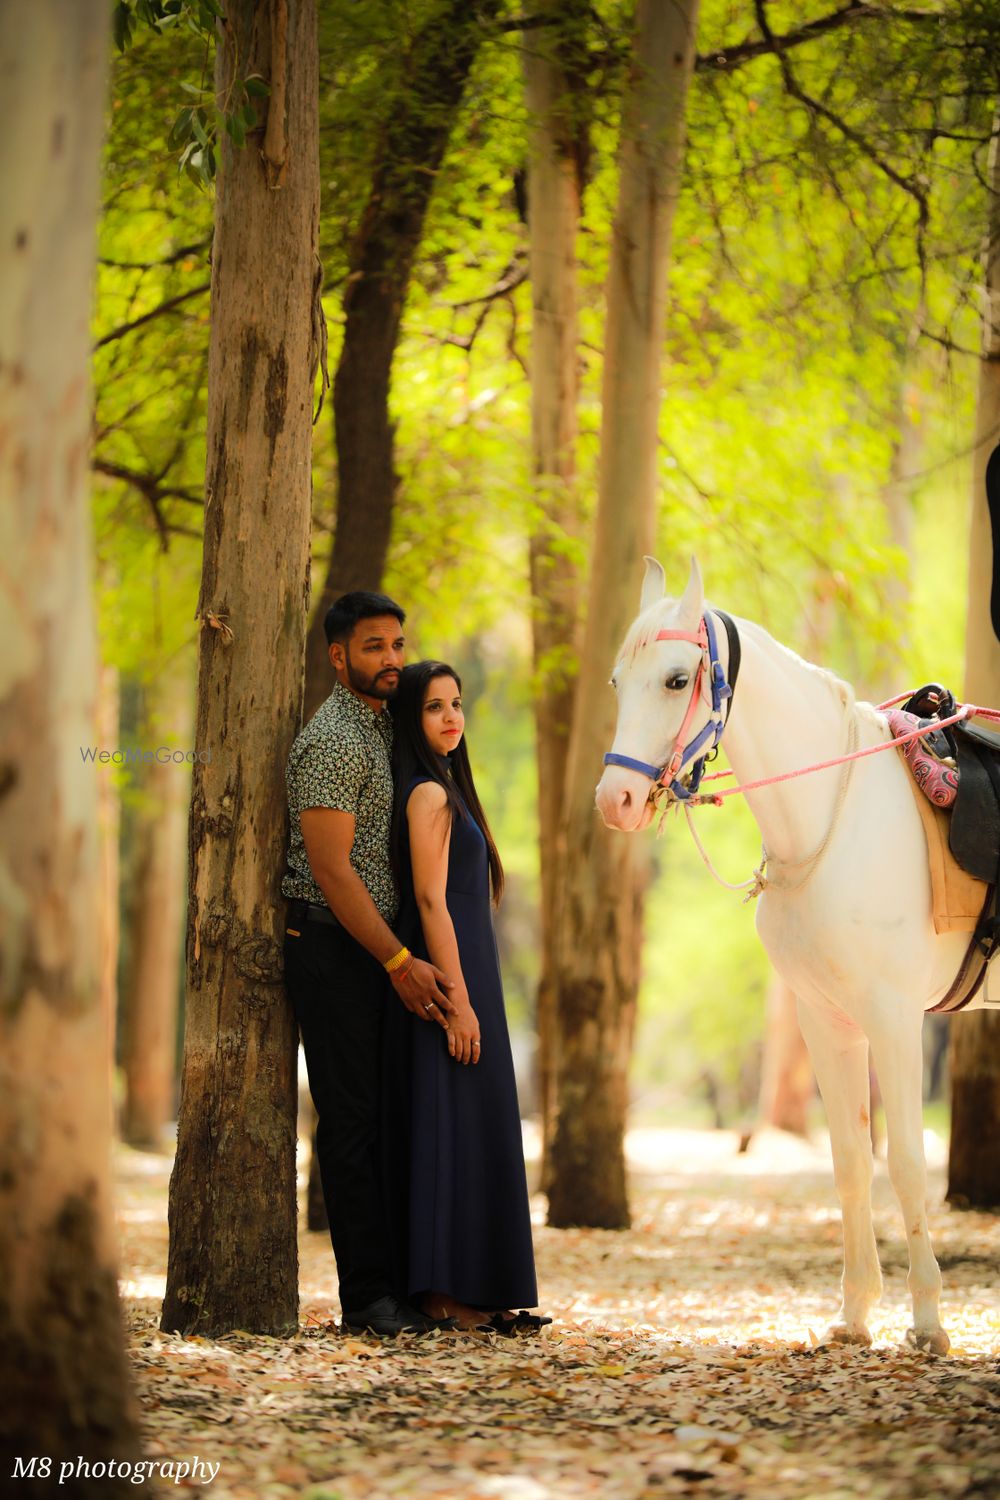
[(824, 265), (194, 133)]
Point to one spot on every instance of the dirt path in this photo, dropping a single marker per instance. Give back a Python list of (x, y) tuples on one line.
[(684, 1358)]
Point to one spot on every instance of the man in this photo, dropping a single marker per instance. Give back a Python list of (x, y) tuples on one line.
[(339, 943)]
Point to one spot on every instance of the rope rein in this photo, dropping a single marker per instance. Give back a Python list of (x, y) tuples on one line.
[(759, 880)]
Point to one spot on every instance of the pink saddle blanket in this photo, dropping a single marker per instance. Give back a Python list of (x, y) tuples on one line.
[(936, 778)]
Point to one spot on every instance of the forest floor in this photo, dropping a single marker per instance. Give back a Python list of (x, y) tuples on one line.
[(684, 1357)]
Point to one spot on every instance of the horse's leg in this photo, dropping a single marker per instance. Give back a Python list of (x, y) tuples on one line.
[(899, 1060), (839, 1053)]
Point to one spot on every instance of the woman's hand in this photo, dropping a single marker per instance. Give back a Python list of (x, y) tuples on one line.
[(463, 1032)]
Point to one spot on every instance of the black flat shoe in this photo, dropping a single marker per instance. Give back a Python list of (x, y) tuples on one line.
[(514, 1323), (498, 1324), (529, 1322), (388, 1316)]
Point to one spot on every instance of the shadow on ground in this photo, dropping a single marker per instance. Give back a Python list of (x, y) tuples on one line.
[(685, 1357)]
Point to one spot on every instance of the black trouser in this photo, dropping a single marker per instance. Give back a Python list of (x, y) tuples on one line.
[(338, 991)]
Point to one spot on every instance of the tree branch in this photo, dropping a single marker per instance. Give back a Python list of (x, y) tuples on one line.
[(163, 307), (772, 45), (908, 184), (155, 265), (512, 277), (147, 484)]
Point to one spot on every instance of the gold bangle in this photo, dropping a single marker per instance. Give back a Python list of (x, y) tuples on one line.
[(392, 964)]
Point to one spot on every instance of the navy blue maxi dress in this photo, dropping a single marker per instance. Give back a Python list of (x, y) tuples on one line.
[(456, 1187)]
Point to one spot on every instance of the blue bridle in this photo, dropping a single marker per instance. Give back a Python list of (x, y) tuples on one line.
[(705, 741)]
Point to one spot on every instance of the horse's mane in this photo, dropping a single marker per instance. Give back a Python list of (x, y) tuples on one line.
[(642, 632), (841, 690)]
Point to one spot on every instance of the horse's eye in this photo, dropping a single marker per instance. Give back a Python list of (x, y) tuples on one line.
[(676, 682)]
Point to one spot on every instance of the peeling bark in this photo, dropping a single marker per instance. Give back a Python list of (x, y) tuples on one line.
[(233, 1259), (63, 1377)]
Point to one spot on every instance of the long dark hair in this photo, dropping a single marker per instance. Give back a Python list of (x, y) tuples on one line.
[(412, 757)]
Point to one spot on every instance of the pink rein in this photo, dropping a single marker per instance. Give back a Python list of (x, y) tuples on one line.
[(966, 711)]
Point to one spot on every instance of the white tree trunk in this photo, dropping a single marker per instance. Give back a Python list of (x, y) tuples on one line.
[(599, 917), (63, 1383)]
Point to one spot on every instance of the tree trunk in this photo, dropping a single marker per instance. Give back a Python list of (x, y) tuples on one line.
[(786, 1082), (553, 89), (233, 1256), (63, 1376), (109, 829), (973, 1160), (598, 933), (381, 260), (149, 1023)]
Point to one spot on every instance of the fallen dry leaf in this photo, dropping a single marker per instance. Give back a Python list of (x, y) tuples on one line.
[(686, 1358)]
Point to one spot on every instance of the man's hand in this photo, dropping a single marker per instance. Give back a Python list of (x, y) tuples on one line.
[(423, 990), (463, 1034)]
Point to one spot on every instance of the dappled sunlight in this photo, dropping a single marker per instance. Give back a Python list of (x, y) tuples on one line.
[(685, 1351)]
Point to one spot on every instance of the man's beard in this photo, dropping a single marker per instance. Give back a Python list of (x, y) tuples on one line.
[(371, 687)]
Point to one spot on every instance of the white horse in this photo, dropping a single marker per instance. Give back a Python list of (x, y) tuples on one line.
[(846, 910)]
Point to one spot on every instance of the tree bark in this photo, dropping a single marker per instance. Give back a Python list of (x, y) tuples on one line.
[(973, 1160), (786, 1081), (598, 934), (233, 1258), (149, 1022), (63, 1376), (381, 260), (557, 152), (109, 828)]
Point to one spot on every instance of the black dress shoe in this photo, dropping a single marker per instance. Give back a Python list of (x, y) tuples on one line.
[(388, 1316)]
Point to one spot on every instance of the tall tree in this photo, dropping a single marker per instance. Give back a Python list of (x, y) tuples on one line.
[(63, 1380), (973, 1160), (233, 1258), (598, 933), (416, 135), (156, 917), (555, 72)]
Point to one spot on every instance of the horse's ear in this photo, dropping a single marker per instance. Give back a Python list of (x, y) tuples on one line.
[(692, 605), (654, 585)]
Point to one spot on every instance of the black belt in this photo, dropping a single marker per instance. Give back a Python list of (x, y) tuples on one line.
[(308, 911)]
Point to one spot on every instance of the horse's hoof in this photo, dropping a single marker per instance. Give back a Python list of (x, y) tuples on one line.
[(932, 1340), (840, 1333)]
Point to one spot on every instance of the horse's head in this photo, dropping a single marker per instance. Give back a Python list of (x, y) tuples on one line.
[(655, 681)]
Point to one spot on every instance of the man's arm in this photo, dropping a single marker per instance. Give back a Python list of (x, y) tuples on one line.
[(328, 835)]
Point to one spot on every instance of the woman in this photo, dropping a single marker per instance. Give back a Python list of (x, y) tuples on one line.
[(456, 1166)]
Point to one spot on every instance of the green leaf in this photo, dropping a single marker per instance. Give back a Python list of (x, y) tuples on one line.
[(211, 9), (257, 87), (191, 88), (180, 131), (235, 129), (193, 165), (198, 127), (122, 25)]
